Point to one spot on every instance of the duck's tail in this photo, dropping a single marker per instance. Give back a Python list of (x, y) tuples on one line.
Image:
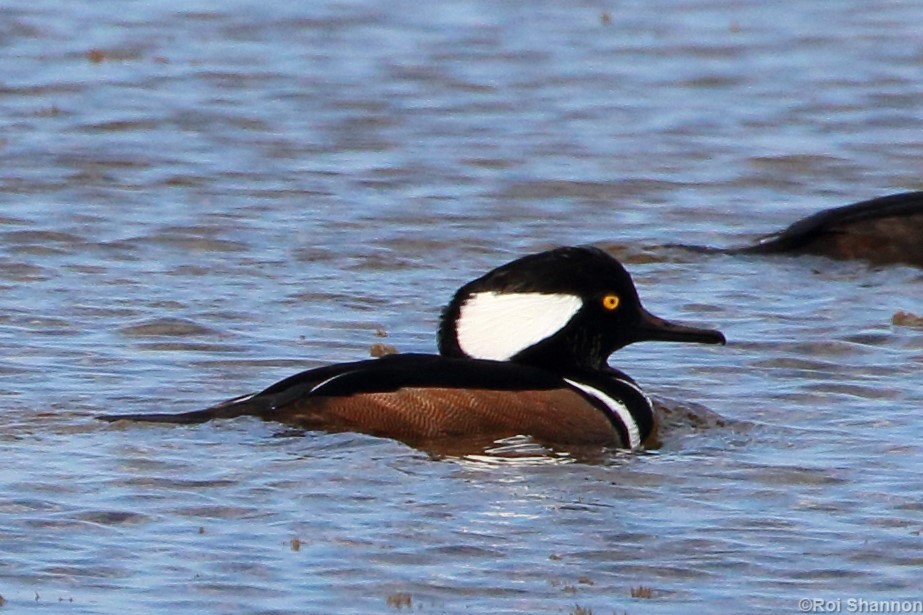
[(245, 405)]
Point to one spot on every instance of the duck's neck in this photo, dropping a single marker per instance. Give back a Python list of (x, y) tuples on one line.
[(563, 356)]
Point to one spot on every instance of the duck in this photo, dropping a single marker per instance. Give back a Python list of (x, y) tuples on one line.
[(883, 230), (522, 351)]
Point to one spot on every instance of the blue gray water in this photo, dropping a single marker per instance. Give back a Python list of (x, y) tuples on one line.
[(198, 199)]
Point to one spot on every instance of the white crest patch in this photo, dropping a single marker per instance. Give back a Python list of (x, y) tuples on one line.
[(498, 326), (620, 409)]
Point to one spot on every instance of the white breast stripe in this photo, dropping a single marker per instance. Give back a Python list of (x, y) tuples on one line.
[(634, 435), (497, 326)]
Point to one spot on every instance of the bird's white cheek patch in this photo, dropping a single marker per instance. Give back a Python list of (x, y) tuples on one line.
[(498, 326)]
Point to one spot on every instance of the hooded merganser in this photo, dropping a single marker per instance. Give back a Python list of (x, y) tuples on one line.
[(523, 351), (884, 230)]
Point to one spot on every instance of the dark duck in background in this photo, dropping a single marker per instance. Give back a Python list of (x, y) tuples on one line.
[(885, 230)]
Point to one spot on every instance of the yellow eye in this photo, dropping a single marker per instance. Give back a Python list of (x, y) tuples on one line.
[(610, 302)]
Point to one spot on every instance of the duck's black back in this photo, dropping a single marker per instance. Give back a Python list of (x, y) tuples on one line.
[(887, 229)]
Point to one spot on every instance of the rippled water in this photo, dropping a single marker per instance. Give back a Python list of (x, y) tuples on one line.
[(199, 200)]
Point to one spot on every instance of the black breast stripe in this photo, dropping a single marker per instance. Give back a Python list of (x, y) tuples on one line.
[(639, 405), (624, 404), (614, 409)]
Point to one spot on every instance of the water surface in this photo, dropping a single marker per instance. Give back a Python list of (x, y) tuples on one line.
[(197, 201)]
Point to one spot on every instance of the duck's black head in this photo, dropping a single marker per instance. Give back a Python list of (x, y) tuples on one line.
[(568, 308)]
